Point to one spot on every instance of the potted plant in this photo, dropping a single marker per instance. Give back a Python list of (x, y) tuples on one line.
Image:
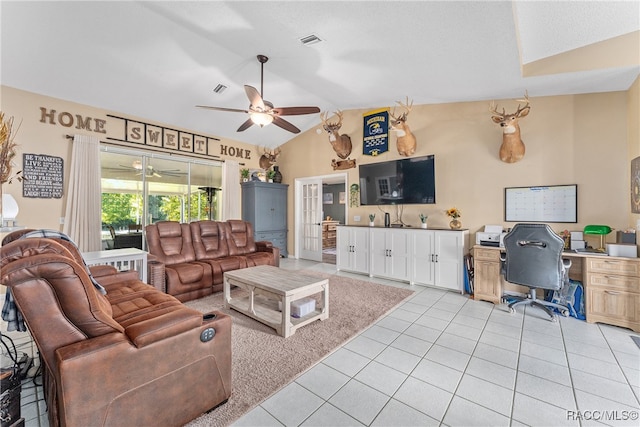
[(371, 218), (244, 174), (271, 174), (423, 220)]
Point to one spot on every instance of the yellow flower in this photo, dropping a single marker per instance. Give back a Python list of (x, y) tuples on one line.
[(453, 213)]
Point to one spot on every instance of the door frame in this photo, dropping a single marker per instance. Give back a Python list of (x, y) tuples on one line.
[(335, 178)]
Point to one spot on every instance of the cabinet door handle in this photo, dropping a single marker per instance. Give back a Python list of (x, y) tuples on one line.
[(436, 257), (431, 257), (612, 293)]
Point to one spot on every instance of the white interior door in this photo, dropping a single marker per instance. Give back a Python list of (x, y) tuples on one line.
[(309, 197)]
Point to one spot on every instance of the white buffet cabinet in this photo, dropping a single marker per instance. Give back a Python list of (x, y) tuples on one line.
[(432, 257)]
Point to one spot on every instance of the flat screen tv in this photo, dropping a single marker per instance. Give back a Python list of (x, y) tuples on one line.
[(398, 182)]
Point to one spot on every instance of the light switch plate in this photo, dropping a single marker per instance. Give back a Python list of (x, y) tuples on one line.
[(356, 218)]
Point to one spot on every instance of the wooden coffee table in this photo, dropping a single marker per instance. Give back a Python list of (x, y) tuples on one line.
[(266, 286)]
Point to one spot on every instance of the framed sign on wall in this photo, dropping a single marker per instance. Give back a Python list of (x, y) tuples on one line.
[(43, 176)]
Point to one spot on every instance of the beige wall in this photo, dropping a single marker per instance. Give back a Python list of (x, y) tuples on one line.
[(35, 137), (588, 140), (579, 139)]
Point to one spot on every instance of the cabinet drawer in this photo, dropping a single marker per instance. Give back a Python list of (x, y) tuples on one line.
[(612, 281), (613, 307), (486, 254), (270, 236), (613, 266)]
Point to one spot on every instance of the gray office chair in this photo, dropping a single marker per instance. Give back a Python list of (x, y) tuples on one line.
[(533, 258)]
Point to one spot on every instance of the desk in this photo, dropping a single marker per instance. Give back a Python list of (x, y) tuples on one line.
[(611, 284), (122, 259)]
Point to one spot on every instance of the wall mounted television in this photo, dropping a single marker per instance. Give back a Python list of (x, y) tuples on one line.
[(398, 182)]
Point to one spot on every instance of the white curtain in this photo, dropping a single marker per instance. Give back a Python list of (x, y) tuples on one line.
[(231, 190), (82, 218)]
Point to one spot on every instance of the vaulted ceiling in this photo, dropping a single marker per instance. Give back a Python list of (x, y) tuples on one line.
[(158, 60)]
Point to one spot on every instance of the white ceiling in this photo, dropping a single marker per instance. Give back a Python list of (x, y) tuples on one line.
[(157, 60)]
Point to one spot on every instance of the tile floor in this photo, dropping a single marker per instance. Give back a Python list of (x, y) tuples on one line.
[(442, 359)]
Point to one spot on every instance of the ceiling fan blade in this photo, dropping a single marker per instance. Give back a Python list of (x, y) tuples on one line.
[(246, 125), (295, 111), (254, 97), (233, 110), (280, 122)]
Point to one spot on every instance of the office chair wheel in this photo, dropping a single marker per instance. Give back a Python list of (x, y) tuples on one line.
[(512, 310), (565, 313)]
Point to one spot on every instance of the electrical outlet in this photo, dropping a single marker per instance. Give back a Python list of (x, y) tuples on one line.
[(356, 218), (61, 220)]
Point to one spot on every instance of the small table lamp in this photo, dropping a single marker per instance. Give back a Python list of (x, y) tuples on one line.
[(601, 230)]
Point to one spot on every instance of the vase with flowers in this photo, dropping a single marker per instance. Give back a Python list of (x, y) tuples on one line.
[(454, 214)]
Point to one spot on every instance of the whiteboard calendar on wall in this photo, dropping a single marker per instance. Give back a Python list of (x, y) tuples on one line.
[(553, 203)]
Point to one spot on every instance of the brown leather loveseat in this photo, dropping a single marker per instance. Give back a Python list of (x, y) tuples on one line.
[(196, 255), (135, 356)]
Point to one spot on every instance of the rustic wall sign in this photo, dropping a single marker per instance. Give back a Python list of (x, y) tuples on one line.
[(43, 176)]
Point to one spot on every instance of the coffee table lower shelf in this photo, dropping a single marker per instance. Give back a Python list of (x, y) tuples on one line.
[(266, 311)]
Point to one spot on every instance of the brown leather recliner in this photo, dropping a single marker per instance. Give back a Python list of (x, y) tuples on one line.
[(171, 243), (211, 246), (133, 357), (241, 242), (221, 246)]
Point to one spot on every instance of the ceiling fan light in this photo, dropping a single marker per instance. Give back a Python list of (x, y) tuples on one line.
[(137, 164), (261, 119)]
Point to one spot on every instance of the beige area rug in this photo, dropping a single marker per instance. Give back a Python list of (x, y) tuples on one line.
[(263, 362)]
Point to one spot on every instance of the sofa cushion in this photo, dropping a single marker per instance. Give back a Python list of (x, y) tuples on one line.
[(240, 237), (208, 240), (170, 242)]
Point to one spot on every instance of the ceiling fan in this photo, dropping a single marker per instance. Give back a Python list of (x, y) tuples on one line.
[(262, 112), (150, 172)]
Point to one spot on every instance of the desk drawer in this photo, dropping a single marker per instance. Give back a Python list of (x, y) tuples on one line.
[(613, 266), (486, 254), (614, 282)]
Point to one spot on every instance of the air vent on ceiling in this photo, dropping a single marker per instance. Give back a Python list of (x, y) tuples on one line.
[(220, 88), (310, 39)]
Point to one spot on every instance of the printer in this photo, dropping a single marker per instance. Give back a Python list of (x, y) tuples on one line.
[(491, 236)]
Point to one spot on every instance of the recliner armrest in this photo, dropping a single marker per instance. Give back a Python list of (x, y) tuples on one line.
[(167, 325), (263, 244)]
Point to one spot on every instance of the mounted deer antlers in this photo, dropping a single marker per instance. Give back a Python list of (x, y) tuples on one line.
[(268, 158), (341, 143), (512, 148), (406, 141)]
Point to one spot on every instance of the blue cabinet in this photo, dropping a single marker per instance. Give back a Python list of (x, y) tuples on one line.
[(265, 206)]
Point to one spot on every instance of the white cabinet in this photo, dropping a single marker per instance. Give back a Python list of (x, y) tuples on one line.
[(352, 249), (426, 257), (390, 251), (438, 258)]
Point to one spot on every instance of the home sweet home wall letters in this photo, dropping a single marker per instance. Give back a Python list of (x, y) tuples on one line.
[(152, 136), (171, 139)]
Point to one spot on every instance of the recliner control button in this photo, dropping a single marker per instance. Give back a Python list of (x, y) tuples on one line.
[(207, 334)]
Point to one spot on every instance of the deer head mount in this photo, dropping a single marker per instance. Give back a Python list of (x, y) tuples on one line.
[(512, 148), (341, 143), (268, 158), (406, 141)]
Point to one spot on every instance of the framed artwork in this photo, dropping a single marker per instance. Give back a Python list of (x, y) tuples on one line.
[(327, 198), (635, 185), (342, 197)]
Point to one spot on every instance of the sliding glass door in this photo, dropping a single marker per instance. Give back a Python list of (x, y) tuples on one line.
[(140, 188)]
